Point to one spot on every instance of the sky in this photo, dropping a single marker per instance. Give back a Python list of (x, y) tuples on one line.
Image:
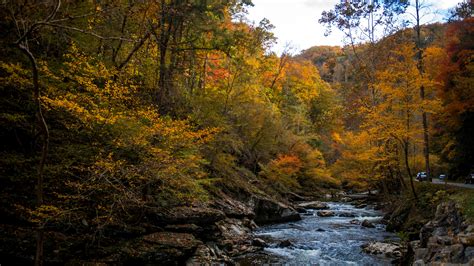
[(296, 21)]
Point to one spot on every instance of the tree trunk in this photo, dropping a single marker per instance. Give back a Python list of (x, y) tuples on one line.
[(44, 149), (39, 247), (407, 165), (426, 146)]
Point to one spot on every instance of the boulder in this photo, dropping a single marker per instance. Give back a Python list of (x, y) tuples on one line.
[(301, 210), (466, 239), (355, 221), (451, 253), (208, 254), (183, 228), (367, 224), (346, 214), (191, 215), (269, 211), (389, 250), (285, 244), (295, 197), (345, 199), (258, 242), (233, 231), (316, 205), (325, 213), (231, 207)]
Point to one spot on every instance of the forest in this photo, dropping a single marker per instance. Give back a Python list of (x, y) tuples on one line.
[(127, 119)]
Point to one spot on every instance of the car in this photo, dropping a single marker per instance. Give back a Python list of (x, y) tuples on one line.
[(442, 176), (469, 179), (422, 176)]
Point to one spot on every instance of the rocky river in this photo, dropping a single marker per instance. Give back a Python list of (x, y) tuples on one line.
[(315, 240)]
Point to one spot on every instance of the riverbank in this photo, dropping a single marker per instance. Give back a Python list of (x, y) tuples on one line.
[(437, 227), (232, 226)]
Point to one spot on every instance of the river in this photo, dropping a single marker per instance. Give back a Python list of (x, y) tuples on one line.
[(322, 240)]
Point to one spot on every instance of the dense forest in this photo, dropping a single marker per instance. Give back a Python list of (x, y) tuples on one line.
[(117, 115)]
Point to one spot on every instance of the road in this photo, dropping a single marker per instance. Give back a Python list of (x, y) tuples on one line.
[(440, 182)]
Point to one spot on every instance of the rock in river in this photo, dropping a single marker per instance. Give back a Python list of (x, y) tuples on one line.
[(269, 211), (258, 242), (389, 250), (367, 224), (325, 213), (317, 205), (284, 244)]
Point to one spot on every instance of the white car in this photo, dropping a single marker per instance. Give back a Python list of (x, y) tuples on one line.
[(422, 176)]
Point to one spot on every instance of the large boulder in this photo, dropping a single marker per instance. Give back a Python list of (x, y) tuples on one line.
[(389, 250), (233, 232), (233, 207), (190, 215), (316, 205), (270, 211)]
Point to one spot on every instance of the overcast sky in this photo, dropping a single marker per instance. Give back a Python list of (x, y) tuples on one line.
[(296, 21)]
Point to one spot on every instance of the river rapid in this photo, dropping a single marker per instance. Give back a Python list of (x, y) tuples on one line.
[(322, 240)]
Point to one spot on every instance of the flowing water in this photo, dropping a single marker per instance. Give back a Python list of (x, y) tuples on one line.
[(322, 240)]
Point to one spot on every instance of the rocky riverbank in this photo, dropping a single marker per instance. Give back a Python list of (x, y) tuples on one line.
[(215, 231), (446, 239)]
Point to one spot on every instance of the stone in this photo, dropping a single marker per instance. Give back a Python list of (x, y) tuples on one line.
[(355, 221), (325, 213), (233, 231), (285, 244), (320, 230), (301, 210), (295, 197), (345, 199), (451, 253), (269, 211), (389, 250), (466, 239), (258, 242), (469, 252), (316, 205), (169, 239), (415, 244), (420, 253), (419, 263), (367, 224), (469, 229), (346, 214), (192, 215), (361, 206), (183, 228)]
